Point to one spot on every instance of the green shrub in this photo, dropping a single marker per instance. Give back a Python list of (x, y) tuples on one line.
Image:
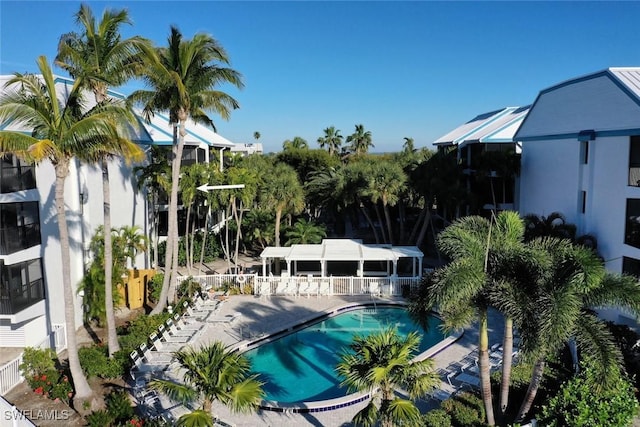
[(99, 419), (211, 252), (38, 367), (465, 410), (155, 287), (37, 361), (436, 418), (119, 406), (138, 330), (583, 401), (95, 362)]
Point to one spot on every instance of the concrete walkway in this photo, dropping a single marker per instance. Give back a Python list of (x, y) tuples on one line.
[(265, 315)]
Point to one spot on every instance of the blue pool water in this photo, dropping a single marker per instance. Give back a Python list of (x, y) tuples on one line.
[(300, 367)]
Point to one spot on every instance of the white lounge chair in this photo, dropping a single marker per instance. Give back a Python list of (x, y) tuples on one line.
[(227, 319), (325, 288), (374, 288)]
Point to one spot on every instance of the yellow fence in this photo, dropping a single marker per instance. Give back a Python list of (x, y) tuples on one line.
[(134, 290)]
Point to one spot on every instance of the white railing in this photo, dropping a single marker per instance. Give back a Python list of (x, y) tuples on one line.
[(11, 416), (10, 375), (305, 285)]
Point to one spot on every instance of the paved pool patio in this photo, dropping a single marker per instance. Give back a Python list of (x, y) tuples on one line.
[(266, 315)]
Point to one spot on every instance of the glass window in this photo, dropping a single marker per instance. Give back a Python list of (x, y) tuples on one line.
[(632, 229), (21, 285), (631, 266), (15, 174), (19, 226), (634, 161)]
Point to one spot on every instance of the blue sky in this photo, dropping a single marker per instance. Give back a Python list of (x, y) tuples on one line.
[(402, 69)]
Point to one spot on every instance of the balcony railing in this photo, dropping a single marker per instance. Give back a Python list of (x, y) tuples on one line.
[(14, 239), (18, 301)]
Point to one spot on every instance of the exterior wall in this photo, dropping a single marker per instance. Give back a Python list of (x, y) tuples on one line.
[(549, 178), (596, 103)]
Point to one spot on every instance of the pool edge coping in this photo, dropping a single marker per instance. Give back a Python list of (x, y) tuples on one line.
[(339, 402)]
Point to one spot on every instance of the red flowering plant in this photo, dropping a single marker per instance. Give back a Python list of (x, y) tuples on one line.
[(39, 369)]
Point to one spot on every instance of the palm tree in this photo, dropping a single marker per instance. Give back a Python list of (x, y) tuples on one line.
[(62, 130), (298, 143), (331, 139), (213, 373), (380, 363), (99, 58), (408, 147), (132, 241), (256, 135), (282, 192), (360, 140), (305, 232), (155, 177), (387, 181), (475, 246), (568, 282), (183, 78)]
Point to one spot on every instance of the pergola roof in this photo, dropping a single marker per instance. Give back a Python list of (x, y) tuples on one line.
[(342, 250)]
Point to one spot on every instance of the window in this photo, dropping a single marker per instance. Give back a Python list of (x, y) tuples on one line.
[(19, 226), (15, 175), (21, 285), (584, 152), (632, 228), (631, 266), (583, 201), (634, 161)]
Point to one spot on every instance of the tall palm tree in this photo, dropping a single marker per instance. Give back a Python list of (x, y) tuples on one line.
[(183, 79), (62, 130), (282, 192), (331, 139), (360, 140), (387, 181), (132, 241), (155, 177), (558, 305), (213, 373), (256, 135), (98, 58), (460, 289), (380, 363)]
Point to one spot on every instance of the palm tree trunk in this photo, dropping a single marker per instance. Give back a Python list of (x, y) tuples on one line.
[(382, 229), (507, 357), (414, 230), (186, 241), (425, 226), (112, 336), (278, 218), (534, 385), (171, 295), (483, 362), (82, 390), (172, 222), (204, 239), (387, 217), (368, 218)]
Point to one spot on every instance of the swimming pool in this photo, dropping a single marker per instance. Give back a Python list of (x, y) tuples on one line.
[(300, 366)]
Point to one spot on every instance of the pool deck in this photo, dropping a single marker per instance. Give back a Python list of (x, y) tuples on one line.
[(266, 315)]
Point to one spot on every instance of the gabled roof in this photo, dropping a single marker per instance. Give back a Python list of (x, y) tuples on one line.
[(493, 127), (342, 250), (604, 103)]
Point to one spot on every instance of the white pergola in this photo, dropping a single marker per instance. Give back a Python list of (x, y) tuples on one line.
[(343, 250)]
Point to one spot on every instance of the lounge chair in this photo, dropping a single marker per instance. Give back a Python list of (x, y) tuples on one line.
[(374, 289), (325, 288), (175, 332)]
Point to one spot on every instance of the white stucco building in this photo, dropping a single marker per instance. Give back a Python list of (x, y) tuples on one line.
[(581, 157), (31, 302)]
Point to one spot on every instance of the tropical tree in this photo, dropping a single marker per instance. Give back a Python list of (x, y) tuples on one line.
[(191, 178), (360, 141), (213, 373), (331, 139), (305, 232), (556, 304), (183, 79), (97, 58), (132, 241), (256, 136), (155, 177), (62, 130), (281, 192), (380, 363), (477, 248), (297, 143), (387, 181)]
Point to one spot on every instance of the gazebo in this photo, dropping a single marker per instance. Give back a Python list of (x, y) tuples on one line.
[(345, 257)]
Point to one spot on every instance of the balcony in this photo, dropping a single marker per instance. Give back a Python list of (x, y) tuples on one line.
[(19, 299), (14, 239)]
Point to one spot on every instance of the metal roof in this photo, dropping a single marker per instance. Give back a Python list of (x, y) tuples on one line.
[(497, 126), (342, 250)]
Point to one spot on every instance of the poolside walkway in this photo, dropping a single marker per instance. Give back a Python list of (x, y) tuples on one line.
[(265, 315)]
